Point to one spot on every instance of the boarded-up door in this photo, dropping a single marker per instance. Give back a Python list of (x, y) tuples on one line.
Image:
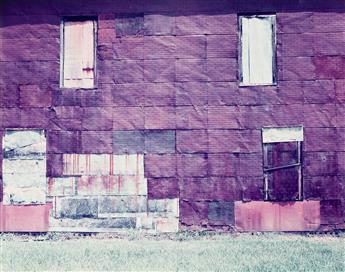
[(24, 167)]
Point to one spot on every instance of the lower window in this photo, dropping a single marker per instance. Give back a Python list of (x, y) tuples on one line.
[(282, 163)]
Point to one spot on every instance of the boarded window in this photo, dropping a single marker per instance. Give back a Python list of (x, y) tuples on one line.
[(78, 54), (283, 163), (257, 49), (24, 167)]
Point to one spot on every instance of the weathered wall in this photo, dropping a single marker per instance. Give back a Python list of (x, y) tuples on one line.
[(169, 89)]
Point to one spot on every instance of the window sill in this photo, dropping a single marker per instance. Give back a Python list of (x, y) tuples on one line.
[(244, 85)]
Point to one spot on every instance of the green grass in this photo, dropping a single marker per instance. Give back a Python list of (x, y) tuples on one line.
[(244, 252)]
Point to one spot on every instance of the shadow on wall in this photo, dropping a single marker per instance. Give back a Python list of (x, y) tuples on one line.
[(177, 7)]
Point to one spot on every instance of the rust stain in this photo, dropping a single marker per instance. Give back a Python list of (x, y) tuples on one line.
[(50, 185), (111, 165)]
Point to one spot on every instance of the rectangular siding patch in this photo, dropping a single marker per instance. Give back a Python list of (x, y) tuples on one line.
[(24, 167)]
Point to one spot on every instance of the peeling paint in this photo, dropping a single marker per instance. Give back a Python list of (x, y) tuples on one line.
[(24, 167)]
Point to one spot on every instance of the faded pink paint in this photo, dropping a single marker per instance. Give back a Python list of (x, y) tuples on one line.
[(30, 218), (277, 216)]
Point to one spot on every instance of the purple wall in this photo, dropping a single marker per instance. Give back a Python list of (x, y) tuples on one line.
[(181, 74)]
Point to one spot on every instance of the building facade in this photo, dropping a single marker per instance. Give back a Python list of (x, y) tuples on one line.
[(172, 115)]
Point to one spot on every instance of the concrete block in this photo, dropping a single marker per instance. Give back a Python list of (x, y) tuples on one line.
[(190, 47), (224, 117), (159, 141), (319, 91), (166, 225), (225, 93), (34, 96), (64, 186), (234, 141), (156, 47), (221, 213), (98, 142), (159, 24), (206, 24), (192, 165), (322, 187), (288, 47), (103, 164), (192, 141), (125, 71), (340, 90), (222, 69), (320, 139), (159, 188), (127, 95), (222, 46), (164, 207), (191, 117), (193, 213), (160, 94), (159, 70), (295, 22), (119, 185), (299, 68), (97, 118), (108, 205), (75, 207), (191, 93), (191, 70), (160, 118), (329, 67), (331, 211), (64, 141), (91, 224), (24, 195), (128, 48), (223, 165), (160, 165), (128, 142), (129, 24), (128, 118)]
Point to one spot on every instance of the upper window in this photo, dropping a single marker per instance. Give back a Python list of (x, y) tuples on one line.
[(257, 60), (78, 53), (282, 163)]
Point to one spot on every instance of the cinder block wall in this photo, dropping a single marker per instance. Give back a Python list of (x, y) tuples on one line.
[(180, 75)]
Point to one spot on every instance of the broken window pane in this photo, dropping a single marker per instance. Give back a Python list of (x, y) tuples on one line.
[(281, 154), (257, 49), (283, 184), (78, 54)]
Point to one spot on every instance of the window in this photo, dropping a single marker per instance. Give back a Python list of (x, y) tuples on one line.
[(282, 163), (257, 44), (78, 53)]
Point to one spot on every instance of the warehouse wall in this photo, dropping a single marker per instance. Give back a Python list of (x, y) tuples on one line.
[(170, 90)]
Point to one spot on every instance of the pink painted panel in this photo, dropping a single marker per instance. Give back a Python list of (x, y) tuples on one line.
[(277, 216), (30, 218)]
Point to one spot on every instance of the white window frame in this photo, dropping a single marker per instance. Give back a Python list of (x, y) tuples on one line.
[(272, 17), (62, 46)]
